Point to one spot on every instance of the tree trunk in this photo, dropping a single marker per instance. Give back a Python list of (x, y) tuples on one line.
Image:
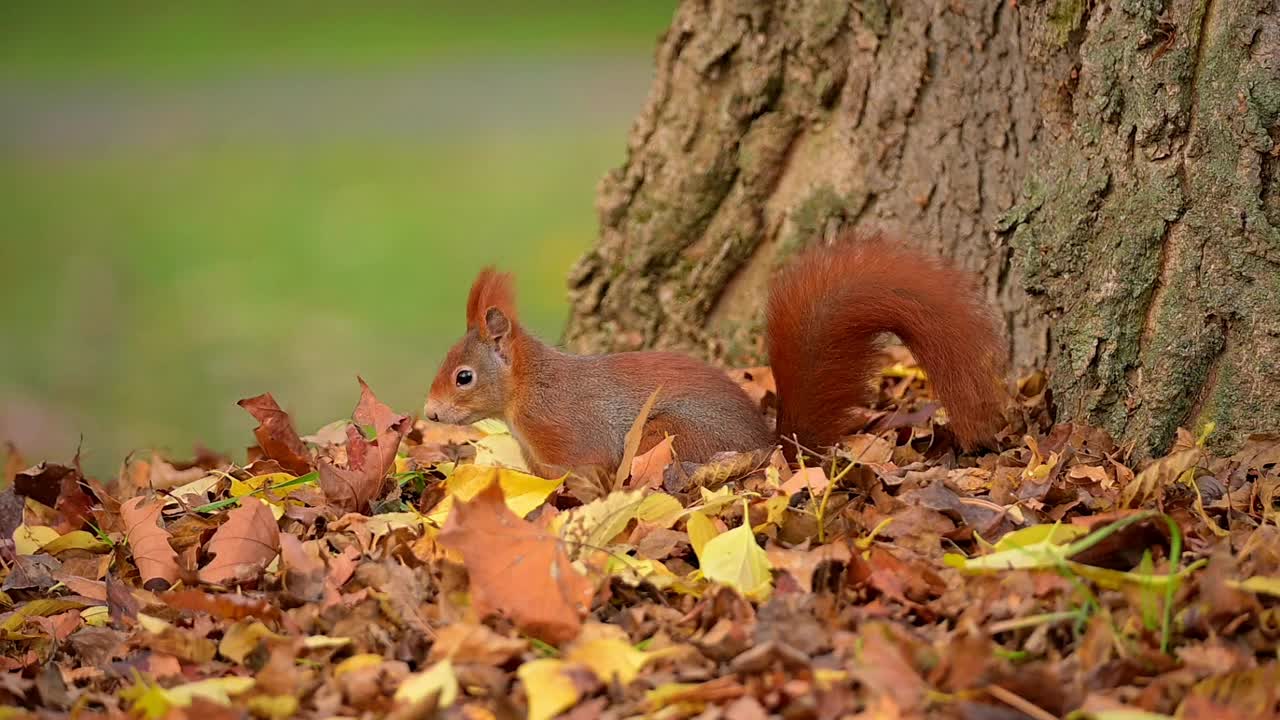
[(1108, 168)]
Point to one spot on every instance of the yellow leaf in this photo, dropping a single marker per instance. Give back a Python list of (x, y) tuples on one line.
[(439, 679), (96, 615), (41, 607), (358, 662), (240, 488), (549, 690), (492, 426), (524, 493), (275, 707), (153, 624), (28, 539), (660, 509), (609, 658), (500, 450), (321, 642), (1052, 533), (254, 486), (243, 638), (1258, 584), (76, 540), (700, 529), (632, 570), (217, 690), (776, 509), (199, 487), (733, 558), (713, 502), (594, 525)]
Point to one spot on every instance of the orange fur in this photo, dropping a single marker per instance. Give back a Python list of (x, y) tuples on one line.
[(830, 305), (490, 289)]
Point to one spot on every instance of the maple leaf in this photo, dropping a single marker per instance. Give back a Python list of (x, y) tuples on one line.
[(156, 559), (243, 545), (352, 488), (517, 569), (276, 435)]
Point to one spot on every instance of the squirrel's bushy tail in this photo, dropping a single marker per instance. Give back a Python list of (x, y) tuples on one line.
[(826, 312)]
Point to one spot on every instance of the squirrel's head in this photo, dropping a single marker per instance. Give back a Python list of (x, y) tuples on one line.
[(474, 381)]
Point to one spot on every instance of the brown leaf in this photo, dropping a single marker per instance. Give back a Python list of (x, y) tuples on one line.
[(58, 487), (353, 488), (245, 544), (156, 559), (276, 435), (470, 643), (122, 606), (32, 572), (517, 568)]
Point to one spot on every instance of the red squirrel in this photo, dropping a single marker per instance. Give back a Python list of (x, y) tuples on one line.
[(826, 311)]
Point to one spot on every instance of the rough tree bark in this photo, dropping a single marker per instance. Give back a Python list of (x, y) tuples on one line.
[(1109, 168)]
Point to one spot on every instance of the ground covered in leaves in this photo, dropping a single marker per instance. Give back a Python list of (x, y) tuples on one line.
[(390, 567)]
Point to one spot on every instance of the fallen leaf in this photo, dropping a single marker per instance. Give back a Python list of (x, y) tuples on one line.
[(605, 650), (243, 545), (470, 643), (276, 435), (156, 559), (659, 509), (524, 493), (226, 606), (438, 680), (594, 526), (517, 568), (647, 469), (701, 530), (353, 488), (631, 441), (549, 689), (733, 558), (813, 479)]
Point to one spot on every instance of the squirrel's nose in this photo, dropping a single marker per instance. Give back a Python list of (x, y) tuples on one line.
[(430, 411)]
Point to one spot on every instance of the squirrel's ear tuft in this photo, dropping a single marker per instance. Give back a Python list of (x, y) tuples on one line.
[(491, 289)]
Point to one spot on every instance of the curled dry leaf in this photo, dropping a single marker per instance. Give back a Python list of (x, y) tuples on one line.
[(276, 435), (517, 568), (352, 488), (243, 545), (156, 559)]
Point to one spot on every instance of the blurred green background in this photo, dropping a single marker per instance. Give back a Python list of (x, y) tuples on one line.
[(205, 202)]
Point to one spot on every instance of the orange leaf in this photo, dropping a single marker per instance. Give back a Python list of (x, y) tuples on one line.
[(631, 443), (517, 568), (647, 469), (156, 560), (227, 606), (243, 545), (276, 435)]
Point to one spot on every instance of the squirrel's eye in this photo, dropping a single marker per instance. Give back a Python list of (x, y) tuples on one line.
[(464, 377)]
